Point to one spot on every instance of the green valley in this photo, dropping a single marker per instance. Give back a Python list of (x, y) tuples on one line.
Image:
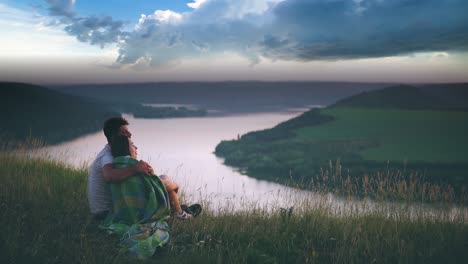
[(414, 136)]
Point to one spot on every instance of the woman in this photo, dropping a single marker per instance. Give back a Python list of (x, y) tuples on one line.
[(125, 153)]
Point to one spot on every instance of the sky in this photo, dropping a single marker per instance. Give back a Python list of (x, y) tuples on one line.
[(117, 41)]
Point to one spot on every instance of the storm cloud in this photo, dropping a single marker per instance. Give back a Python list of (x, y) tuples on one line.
[(292, 30), (328, 29)]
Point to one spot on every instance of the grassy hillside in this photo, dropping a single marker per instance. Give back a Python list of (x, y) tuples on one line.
[(44, 219), (367, 133), (30, 111), (415, 136)]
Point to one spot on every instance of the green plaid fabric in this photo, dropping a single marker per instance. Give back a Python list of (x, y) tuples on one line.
[(140, 210)]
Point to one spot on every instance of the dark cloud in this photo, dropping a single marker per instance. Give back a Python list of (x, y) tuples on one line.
[(61, 7), (328, 29), (96, 30), (300, 30), (93, 30)]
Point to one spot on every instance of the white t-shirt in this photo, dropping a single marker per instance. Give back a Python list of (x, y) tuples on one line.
[(99, 194)]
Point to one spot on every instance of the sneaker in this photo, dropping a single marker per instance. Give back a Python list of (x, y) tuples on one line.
[(194, 209), (184, 216)]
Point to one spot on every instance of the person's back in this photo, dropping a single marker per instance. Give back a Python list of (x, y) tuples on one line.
[(99, 195)]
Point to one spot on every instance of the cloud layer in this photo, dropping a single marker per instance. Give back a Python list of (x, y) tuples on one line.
[(297, 30), (61, 7), (93, 30), (322, 29)]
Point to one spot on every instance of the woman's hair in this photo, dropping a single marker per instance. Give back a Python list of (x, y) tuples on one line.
[(120, 146)]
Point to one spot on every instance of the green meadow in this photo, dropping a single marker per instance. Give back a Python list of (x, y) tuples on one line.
[(411, 135), (44, 219)]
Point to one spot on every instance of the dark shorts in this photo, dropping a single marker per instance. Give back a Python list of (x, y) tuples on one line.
[(100, 216)]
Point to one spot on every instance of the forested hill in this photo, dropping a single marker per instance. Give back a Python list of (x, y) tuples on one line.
[(417, 130), (427, 97), (31, 111)]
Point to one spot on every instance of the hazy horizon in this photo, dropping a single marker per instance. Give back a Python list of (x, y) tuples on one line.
[(104, 83)]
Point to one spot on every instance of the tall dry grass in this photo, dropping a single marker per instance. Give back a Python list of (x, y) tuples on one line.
[(384, 185), (44, 219)]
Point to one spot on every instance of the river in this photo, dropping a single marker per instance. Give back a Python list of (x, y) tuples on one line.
[(183, 149)]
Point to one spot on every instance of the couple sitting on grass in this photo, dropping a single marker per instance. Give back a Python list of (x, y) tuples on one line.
[(128, 199)]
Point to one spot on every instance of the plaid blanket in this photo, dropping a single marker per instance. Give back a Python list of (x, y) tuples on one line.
[(140, 210)]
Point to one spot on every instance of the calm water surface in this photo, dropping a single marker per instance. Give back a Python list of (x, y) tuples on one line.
[(183, 149)]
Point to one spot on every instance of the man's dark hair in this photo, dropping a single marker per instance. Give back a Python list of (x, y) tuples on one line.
[(120, 146), (112, 126)]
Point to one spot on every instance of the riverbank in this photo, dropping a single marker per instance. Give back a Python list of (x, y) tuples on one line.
[(413, 145), (44, 218)]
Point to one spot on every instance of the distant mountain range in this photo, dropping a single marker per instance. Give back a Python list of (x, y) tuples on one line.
[(226, 97), (31, 111), (66, 112)]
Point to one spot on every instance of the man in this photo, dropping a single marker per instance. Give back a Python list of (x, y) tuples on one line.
[(102, 172)]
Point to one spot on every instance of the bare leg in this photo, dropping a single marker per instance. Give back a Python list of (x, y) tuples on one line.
[(172, 189), (175, 205)]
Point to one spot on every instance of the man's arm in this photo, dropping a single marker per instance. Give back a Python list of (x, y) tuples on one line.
[(112, 174)]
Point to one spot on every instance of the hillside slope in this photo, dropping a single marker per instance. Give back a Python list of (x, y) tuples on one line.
[(44, 218), (414, 131), (428, 97), (31, 111)]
